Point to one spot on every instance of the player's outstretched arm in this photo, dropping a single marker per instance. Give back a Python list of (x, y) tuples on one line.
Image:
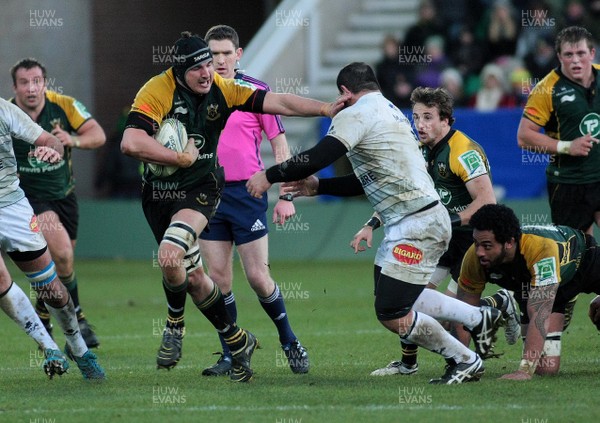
[(293, 105), (307, 187), (298, 167)]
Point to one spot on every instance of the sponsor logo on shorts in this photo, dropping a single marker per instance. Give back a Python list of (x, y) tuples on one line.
[(257, 226), (407, 253), (33, 225)]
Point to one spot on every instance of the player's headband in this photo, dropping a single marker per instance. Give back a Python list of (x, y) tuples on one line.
[(191, 52)]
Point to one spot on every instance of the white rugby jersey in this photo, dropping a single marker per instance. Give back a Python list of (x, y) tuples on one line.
[(13, 122), (385, 156)]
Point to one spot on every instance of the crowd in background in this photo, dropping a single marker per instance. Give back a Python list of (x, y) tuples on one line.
[(487, 53)]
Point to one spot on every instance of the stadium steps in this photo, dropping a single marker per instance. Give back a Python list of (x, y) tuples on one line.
[(358, 40)]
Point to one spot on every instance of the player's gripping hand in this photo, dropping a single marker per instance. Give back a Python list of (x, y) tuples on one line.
[(63, 136), (331, 109), (189, 155), (258, 184), (46, 154), (306, 187), (594, 312)]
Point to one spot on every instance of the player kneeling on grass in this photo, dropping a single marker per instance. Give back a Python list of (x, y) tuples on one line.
[(22, 239), (545, 267)]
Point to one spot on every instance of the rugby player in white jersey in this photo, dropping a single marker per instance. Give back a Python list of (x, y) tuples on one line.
[(389, 168), (21, 238)]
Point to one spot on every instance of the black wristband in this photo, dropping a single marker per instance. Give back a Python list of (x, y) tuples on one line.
[(287, 197), (455, 220), (373, 222)]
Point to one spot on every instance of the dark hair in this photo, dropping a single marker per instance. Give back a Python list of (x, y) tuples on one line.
[(572, 35), (26, 64), (499, 219), (435, 97), (223, 32), (357, 76)]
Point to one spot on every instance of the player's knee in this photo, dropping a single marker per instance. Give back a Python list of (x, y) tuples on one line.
[(192, 259), (197, 276), (400, 317), (63, 258), (384, 313), (179, 238), (169, 256), (261, 283), (222, 276)]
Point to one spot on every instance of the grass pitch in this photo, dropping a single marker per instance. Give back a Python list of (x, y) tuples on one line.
[(331, 310)]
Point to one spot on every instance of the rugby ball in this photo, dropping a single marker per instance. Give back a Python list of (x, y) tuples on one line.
[(172, 135)]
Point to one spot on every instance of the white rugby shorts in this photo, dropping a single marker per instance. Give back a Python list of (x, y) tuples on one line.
[(412, 247), (19, 228)]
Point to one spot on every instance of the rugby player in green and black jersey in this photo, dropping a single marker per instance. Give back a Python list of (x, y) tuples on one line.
[(193, 93), (545, 266), (566, 105), (50, 187)]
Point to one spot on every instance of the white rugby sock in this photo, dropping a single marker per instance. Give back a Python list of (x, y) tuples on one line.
[(443, 307), (67, 319), (17, 306), (428, 333)]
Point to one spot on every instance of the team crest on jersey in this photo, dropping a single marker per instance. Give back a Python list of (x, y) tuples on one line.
[(407, 254), (212, 111), (33, 224), (590, 124), (55, 122), (442, 169), (202, 199), (473, 163)]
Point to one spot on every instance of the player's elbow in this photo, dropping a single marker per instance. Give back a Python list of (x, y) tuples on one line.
[(100, 140), (128, 147), (523, 138), (522, 142)]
